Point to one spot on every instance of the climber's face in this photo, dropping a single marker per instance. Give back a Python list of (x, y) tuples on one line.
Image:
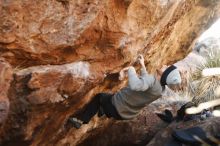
[(171, 77), (174, 80), (159, 72)]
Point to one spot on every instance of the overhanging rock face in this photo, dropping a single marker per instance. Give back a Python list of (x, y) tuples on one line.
[(65, 51), (101, 32), (5, 79)]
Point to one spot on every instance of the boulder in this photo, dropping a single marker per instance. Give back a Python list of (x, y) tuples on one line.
[(210, 126)]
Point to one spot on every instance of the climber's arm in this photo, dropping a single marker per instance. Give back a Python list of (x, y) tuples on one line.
[(134, 82), (143, 67)]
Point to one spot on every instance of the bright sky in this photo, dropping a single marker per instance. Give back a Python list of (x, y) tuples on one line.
[(213, 31)]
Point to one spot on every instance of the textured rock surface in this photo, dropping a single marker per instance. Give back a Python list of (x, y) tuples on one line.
[(45, 96), (63, 31), (85, 43), (210, 126), (208, 47), (5, 79)]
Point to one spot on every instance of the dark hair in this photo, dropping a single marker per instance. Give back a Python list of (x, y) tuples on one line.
[(165, 74)]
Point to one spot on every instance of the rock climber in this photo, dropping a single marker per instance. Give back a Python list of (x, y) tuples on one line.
[(128, 102)]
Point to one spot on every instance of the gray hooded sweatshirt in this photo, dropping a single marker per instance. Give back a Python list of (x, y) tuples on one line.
[(140, 91)]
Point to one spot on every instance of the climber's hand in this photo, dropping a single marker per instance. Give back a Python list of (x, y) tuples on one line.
[(141, 60), (122, 73)]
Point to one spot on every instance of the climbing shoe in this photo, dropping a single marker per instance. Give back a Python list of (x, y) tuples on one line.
[(75, 122), (167, 116)]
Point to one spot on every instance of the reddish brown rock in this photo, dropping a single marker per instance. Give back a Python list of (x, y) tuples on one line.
[(63, 31), (5, 80), (45, 96)]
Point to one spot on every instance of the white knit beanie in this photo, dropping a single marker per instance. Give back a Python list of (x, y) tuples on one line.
[(170, 76), (173, 78)]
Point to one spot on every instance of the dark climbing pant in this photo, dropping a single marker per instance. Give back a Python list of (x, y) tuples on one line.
[(99, 101)]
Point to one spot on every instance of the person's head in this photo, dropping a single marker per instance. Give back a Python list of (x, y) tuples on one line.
[(170, 77)]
